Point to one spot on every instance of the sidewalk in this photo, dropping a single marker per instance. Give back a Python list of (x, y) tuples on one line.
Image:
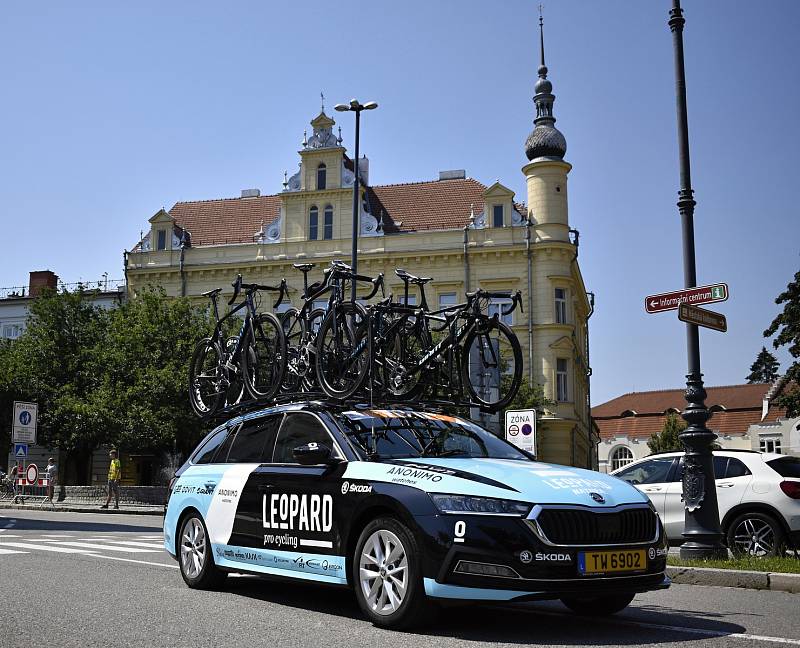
[(70, 507)]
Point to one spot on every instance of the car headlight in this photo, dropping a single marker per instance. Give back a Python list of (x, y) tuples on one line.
[(479, 505)]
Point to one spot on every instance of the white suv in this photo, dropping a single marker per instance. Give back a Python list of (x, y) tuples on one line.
[(758, 495)]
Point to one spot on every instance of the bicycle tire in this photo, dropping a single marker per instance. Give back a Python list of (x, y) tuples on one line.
[(337, 374), (206, 402), (235, 391), (263, 356), (406, 345), (509, 349), (293, 332)]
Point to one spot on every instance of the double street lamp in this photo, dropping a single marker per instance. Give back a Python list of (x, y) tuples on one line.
[(355, 107)]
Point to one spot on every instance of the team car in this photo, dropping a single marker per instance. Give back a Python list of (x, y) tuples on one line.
[(408, 508)]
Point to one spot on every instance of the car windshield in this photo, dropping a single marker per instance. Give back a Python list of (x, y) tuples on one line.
[(404, 433), (786, 466)]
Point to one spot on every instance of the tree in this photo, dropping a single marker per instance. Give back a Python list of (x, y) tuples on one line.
[(764, 369), (531, 397), (787, 327), (667, 439)]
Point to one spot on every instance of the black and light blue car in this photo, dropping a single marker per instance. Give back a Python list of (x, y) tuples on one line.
[(407, 507)]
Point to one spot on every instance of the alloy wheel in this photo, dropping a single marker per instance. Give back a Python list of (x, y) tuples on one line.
[(194, 548), (383, 572), (754, 537)]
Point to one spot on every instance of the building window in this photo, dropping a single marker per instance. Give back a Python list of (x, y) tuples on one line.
[(622, 456), (313, 224), (496, 305), (497, 216), (12, 331), (561, 306), (770, 445), (321, 303), (162, 240), (322, 173), (447, 299), (328, 231), (562, 393)]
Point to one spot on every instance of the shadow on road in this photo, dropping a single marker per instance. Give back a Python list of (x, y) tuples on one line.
[(33, 524), (542, 623)]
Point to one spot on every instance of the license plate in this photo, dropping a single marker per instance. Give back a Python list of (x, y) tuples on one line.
[(610, 562)]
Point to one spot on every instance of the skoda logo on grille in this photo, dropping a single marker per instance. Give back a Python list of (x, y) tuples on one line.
[(597, 497)]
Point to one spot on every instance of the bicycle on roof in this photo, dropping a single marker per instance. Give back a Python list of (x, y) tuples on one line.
[(253, 361)]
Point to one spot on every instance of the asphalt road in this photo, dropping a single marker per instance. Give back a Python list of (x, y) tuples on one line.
[(71, 579)]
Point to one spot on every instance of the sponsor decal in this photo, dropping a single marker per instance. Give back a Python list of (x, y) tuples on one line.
[(297, 512), (192, 490), (347, 487), (525, 556), (578, 485), (316, 564), (657, 552), (226, 495), (552, 557), (403, 475), (285, 540), (460, 531)]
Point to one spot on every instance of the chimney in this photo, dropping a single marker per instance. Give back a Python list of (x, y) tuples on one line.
[(41, 279), (251, 193), (455, 174)]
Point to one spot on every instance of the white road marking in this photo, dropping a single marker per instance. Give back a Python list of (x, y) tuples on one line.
[(41, 547), (57, 535), (3, 552), (95, 547), (141, 562), (132, 543)]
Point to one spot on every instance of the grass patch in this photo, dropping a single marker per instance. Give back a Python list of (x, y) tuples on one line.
[(784, 565)]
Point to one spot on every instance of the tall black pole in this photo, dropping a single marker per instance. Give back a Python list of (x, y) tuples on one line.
[(356, 210), (703, 537)]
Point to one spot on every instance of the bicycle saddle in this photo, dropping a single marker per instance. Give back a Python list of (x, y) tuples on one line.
[(212, 293), (303, 267), (405, 276)]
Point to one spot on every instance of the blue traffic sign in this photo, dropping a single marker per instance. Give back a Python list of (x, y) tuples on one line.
[(25, 418), (20, 450)]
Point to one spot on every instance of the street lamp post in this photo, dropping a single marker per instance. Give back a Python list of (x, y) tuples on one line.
[(355, 107), (703, 537)]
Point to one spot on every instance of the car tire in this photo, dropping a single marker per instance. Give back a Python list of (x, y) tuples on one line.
[(598, 606), (391, 594), (195, 556), (755, 534)]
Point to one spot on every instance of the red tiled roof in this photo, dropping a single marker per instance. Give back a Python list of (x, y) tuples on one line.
[(742, 407), (411, 207)]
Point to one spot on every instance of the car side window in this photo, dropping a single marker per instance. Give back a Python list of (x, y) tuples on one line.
[(721, 467), (653, 471), (736, 468), (254, 439), (299, 429), (222, 452), (206, 452)]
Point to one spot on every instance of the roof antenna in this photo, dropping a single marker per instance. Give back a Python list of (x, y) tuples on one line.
[(322, 101)]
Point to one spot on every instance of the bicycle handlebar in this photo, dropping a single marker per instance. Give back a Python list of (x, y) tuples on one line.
[(516, 301), (377, 282), (237, 286)]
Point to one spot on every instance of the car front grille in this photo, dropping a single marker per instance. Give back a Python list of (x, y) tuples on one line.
[(577, 527)]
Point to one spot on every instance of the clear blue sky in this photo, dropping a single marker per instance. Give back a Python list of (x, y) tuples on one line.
[(112, 110)]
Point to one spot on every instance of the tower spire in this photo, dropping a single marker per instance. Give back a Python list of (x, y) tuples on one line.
[(545, 140)]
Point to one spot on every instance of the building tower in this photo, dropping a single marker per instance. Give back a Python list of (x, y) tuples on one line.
[(560, 305)]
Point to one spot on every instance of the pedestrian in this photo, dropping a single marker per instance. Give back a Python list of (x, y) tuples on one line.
[(51, 470), (114, 474)]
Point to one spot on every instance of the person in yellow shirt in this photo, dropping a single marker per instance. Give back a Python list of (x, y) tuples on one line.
[(114, 475)]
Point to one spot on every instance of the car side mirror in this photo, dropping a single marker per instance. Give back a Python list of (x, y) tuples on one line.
[(312, 454)]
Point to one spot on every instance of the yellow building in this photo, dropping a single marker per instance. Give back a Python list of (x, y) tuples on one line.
[(455, 229)]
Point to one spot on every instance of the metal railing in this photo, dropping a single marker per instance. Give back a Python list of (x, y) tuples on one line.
[(103, 285)]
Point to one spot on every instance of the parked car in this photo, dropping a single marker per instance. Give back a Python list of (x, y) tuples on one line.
[(758, 496), (407, 507)]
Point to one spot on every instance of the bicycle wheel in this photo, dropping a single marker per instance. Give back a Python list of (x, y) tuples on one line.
[(263, 356), (292, 327), (342, 354), (396, 356), (206, 378), (491, 364), (235, 390)]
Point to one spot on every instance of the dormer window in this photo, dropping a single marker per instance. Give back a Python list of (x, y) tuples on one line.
[(313, 224), (161, 240), (322, 173), (497, 216), (327, 233)]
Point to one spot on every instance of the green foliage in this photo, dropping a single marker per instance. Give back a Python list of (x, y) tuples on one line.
[(530, 397), (667, 439), (106, 377), (764, 369), (787, 327)]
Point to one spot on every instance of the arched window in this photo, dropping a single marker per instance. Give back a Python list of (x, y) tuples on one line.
[(622, 456), (313, 224), (322, 174), (328, 231)]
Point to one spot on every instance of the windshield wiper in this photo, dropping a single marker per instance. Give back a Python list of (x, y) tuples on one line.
[(455, 452)]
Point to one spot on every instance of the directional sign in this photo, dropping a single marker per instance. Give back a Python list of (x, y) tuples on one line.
[(20, 450), (521, 429), (24, 422), (702, 317), (693, 296)]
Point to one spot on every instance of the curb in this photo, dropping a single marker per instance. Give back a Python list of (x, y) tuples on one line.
[(78, 509), (733, 578)]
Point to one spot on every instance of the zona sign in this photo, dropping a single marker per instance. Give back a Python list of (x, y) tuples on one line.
[(692, 296)]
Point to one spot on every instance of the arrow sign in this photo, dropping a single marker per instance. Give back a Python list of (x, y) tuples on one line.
[(702, 317), (693, 296)]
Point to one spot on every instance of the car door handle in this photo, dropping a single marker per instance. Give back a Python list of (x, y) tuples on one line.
[(724, 485), (653, 489), (263, 488)]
